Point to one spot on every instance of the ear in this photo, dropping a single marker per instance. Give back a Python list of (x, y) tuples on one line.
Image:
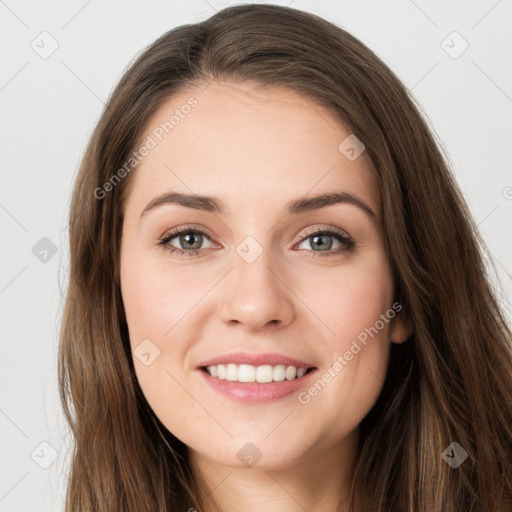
[(401, 328)]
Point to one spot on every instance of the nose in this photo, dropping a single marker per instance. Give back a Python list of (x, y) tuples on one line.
[(256, 295)]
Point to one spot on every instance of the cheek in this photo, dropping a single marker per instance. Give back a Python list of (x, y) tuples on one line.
[(355, 310), (349, 302), (155, 298)]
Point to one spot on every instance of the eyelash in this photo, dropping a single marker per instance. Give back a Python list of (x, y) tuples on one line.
[(348, 243)]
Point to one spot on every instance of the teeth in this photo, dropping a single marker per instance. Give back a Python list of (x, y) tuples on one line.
[(246, 373), (231, 372), (300, 372), (249, 373)]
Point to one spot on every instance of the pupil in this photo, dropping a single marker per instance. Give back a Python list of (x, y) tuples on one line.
[(187, 238), (317, 237)]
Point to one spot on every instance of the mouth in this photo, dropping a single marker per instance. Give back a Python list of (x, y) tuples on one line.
[(256, 378), (257, 384)]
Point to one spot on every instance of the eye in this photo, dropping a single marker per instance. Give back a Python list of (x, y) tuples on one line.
[(190, 240), (323, 240)]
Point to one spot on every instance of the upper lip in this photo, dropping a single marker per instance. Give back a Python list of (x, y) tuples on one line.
[(271, 358)]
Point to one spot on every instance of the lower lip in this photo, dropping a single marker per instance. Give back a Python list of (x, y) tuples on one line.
[(255, 391)]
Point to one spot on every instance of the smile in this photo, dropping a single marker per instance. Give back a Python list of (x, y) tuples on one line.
[(259, 384)]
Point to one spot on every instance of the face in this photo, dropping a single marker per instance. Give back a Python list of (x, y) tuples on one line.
[(246, 278)]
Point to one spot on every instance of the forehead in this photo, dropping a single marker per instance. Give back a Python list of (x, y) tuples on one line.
[(248, 142)]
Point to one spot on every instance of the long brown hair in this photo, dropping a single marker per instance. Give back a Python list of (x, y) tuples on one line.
[(450, 382)]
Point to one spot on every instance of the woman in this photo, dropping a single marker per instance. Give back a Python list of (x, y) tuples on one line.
[(277, 296)]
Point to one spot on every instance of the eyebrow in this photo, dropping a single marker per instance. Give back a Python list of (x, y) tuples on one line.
[(297, 206)]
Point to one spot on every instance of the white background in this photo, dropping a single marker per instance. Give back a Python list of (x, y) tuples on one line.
[(48, 108)]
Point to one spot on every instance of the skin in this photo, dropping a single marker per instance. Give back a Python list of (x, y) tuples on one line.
[(256, 149)]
